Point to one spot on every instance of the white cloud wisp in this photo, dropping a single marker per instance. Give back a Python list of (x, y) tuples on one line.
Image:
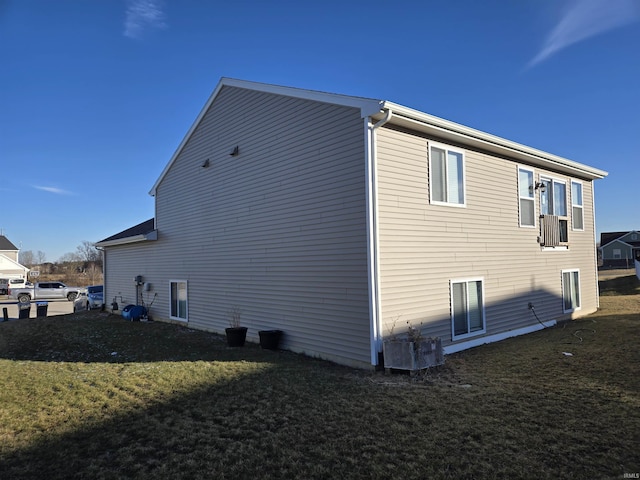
[(585, 19), (142, 14), (57, 191)]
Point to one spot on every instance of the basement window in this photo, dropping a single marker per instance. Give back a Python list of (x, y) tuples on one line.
[(178, 300), (571, 290), (467, 308)]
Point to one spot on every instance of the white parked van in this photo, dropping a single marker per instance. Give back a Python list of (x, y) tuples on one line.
[(17, 283), (6, 284)]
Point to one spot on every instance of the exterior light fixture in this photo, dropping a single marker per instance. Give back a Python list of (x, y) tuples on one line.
[(205, 164), (234, 152), (540, 186)]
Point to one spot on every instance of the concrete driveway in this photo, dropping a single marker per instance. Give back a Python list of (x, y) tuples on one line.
[(54, 307)]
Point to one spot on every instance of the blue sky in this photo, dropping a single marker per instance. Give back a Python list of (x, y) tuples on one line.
[(96, 95)]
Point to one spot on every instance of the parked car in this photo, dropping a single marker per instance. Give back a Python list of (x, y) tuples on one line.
[(8, 283), (81, 301), (42, 291), (95, 296), (89, 298)]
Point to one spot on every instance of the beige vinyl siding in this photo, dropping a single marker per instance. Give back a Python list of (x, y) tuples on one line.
[(278, 231), (122, 264), (424, 246), (10, 254)]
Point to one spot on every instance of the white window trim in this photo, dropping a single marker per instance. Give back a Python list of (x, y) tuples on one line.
[(578, 182), (179, 319), (559, 248), (566, 217), (566, 193), (533, 199), (579, 307), (446, 147), (455, 337)]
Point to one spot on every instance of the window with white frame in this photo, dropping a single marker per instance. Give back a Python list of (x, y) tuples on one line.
[(526, 195), (553, 201), (617, 253), (553, 198), (446, 169), (577, 214), (178, 300), (467, 308), (570, 290)]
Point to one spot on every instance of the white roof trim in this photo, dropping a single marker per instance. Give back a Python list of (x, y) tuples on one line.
[(407, 117), (628, 234), (19, 267), (617, 240), (367, 107), (415, 119), (134, 239)]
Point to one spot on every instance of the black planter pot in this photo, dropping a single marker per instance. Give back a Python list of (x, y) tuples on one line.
[(236, 336), (270, 339)]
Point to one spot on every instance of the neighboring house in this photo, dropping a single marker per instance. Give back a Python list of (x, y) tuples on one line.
[(340, 219), (620, 249), (9, 266)]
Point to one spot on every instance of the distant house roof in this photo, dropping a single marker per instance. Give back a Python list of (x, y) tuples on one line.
[(139, 233), (608, 237), (5, 244)]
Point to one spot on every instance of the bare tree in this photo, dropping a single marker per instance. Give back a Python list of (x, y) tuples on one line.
[(95, 273), (40, 257), (88, 251), (26, 258), (71, 257)]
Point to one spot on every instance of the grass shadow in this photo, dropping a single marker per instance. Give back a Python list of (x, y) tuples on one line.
[(623, 285), (178, 403)]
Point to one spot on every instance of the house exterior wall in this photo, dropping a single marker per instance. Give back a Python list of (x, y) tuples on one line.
[(424, 246), (278, 231), (618, 253), (9, 267), (632, 236), (624, 250), (10, 254), (121, 265)]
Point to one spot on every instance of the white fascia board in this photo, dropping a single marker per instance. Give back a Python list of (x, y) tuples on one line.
[(134, 239), (455, 132), (367, 106), (6, 259), (194, 125)]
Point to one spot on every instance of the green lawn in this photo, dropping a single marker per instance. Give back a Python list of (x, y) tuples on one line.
[(90, 396)]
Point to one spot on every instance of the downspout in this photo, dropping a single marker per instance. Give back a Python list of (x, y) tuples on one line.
[(595, 239), (103, 251), (373, 252)]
